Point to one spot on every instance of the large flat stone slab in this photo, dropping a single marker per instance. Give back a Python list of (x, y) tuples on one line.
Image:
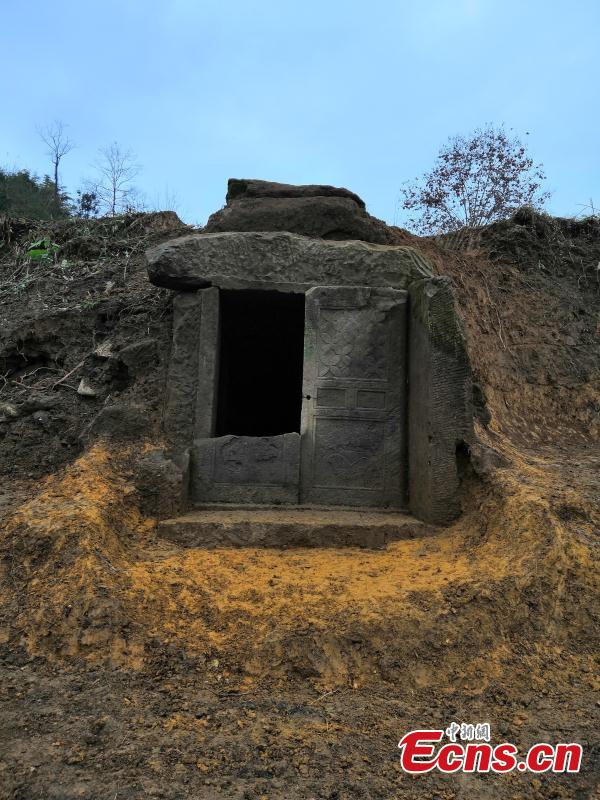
[(282, 261), (290, 527), (354, 387)]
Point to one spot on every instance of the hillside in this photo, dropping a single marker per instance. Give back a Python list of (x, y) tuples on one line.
[(146, 669)]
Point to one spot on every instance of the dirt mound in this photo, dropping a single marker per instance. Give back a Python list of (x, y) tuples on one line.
[(529, 295), (493, 619), (79, 329), (86, 577)]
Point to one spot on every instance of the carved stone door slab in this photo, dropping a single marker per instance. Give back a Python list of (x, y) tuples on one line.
[(246, 469), (354, 387)]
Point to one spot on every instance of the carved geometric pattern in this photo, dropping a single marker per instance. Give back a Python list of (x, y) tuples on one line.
[(352, 343)]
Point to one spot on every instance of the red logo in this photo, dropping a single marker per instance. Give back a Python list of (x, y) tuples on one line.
[(419, 754)]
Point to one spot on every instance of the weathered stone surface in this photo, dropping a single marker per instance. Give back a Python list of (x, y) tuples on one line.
[(290, 527), (440, 401), (138, 355), (353, 445), (243, 188), (338, 218), (192, 376), (321, 211), (162, 484), (208, 364), (182, 376), (249, 469), (283, 261)]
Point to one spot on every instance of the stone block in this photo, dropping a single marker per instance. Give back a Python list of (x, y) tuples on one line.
[(439, 403), (182, 376), (139, 355), (318, 211), (244, 188), (249, 469), (162, 483), (290, 527)]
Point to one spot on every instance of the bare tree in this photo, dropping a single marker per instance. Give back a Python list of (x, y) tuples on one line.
[(117, 169), (589, 210), (475, 180), (58, 144)]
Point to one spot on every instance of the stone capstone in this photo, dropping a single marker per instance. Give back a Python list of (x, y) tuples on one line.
[(278, 260), (317, 211), (244, 188)]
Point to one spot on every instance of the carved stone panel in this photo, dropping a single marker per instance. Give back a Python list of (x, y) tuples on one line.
[(348, 453), (253, 469), (353, 415), (440, 396), (351, 343)]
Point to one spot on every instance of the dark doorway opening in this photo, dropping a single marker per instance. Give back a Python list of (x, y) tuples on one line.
[(261, 360)]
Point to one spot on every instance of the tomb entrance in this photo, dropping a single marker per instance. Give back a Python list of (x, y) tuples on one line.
[(260, 363), (313, 371)]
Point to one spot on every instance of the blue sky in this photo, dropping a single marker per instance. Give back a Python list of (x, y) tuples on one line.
[(355, 94)]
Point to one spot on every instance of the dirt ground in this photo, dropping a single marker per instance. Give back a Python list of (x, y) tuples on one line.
[(133, 668)]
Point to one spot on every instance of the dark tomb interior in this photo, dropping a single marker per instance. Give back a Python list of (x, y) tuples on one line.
[(260, 366)]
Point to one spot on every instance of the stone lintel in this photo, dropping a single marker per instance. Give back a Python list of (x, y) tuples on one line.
[(281, 259)]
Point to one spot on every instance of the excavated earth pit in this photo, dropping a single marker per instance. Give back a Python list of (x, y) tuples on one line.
[(134, 666)]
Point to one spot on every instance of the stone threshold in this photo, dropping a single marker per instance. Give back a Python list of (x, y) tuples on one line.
[(222, 525)]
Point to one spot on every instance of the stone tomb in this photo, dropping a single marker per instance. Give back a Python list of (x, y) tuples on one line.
[(308, 371)]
